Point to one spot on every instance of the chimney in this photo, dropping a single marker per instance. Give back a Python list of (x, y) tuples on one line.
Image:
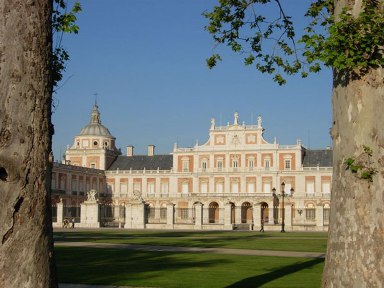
[(151, 150), (130, 151)]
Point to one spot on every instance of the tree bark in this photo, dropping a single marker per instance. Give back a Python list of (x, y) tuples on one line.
[(355, 255), (26, 251)]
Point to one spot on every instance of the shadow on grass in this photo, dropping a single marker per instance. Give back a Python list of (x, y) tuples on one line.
[(259, 280), (117, 267)]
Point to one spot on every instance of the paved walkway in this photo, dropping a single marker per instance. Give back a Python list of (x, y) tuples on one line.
[(193, 249)]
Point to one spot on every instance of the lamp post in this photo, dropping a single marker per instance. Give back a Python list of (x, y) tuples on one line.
[(283, 209), (283, 195)]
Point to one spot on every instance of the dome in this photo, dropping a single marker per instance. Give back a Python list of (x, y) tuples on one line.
[(95, 128)]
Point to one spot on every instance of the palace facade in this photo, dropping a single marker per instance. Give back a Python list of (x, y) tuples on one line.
[(236, 180)]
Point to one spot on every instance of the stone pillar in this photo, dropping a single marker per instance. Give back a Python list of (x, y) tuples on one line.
[(271, 219), (227, 216), (170, 215), (320, 216), (89, 214), (288, 216), (237, 214), (60, 214), (135, 215), (257, 216), (198, 216)]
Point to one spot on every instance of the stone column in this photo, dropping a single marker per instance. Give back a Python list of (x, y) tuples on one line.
[(170, 215), (257, 216), (288, 216), (271, 219), (198, 216), (89, 214), (237, 214), (320, 216), (228, 216), (60, 214)]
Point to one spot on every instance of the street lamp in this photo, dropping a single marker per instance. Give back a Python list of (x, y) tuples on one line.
[(283, 195), (283, 209)]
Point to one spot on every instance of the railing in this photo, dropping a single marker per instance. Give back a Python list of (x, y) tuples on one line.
[(144, 171), (58, 192), (318, 169)]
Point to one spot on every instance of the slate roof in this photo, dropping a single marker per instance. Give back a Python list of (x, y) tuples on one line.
[(139, 162), (312, 158)]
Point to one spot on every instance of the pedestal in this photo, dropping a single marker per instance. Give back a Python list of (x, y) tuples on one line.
[(257, 216), (198, 216), (170, 215), (89, 215), (228, 216)]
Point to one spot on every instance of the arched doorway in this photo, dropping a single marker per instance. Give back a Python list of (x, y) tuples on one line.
[(264, 212), (246, 212), (233, 213), (213, 212)]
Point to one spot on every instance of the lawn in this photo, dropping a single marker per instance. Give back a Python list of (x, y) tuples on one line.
[(165, 269), (170, 269), (305, 242)]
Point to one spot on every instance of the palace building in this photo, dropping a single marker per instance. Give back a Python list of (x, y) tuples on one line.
[(236, 180)]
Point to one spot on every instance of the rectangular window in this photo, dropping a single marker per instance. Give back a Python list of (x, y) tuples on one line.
[(267, 187), (220, 165), (235, 164), (204, 165), (111, 188), (164, 187), (183, 213), (251, 164), (123, 188), (287, 165), (185, 187), (74, 185), (310, 187), (326, 187), (267, 164), (151, 188), (137, 186), (235, 187), (251, 187), (163, 213), (204, 187), (310, 214), (185, 166), (219, 187)]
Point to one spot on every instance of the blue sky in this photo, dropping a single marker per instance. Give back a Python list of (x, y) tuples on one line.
[(146, 61)]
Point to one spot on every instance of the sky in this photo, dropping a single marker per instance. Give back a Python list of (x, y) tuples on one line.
[(145, 60)]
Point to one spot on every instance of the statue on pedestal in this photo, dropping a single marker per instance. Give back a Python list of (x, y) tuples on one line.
[(91, 195)]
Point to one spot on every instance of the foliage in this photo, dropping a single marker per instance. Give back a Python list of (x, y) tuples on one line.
[(361, 166), (63, 21), (351, 42)]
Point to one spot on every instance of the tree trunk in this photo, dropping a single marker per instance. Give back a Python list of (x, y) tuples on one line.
[(355, 256), (26, 251)]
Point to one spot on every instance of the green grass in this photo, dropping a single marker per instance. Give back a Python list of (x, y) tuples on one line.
[(165, 269), (304, 242)]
